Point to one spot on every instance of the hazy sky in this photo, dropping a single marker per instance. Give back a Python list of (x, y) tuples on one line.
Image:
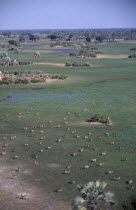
[(63, 14)]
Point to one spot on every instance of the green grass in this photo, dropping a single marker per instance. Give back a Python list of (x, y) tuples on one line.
[(108, 90)]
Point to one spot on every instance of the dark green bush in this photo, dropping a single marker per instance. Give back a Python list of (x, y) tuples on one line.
[(133, 49), (61, 77), (21, 81), (101, 119), (132, 56), (35, 80)]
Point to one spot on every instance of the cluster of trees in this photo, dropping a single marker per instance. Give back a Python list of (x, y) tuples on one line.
[(76, 64), (83, 53)]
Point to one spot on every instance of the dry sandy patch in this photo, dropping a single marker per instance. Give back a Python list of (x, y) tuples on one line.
[(50, 64), (102, 56)]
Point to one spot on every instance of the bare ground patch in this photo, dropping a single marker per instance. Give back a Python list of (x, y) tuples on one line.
[(83, 123), (49, 64), (17, 193), (111, 56), (53, 165)]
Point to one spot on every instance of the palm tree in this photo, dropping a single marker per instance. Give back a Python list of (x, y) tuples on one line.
[(92, 195)]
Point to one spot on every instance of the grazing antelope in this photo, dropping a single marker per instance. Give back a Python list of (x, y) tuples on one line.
[(68, 166), (90, 140), (130, 181), (66, 122), (15, 157), (73, 132), (19, 116), (103, 153), (101, 164), (93, 159), (77, 136), (97, 180), (19, 113), (74, 154), (25, 145), (3, 153), (81, 150), (68, 113), (58, 126), (86, 166), (50, 122), (12, 137), (72, 182), (85, 110), (25, 128), (64, 118), (85, 137), (41, 150), (41, 131), (4, 138), (117, 178), (59, 140), (12, 177), (109, 172), (112, 142), (34, 156), (43, 137), (32, 131), (59, 190), (89, 133), (23, 196), (67, 172), (41, 126), (5, 145), (49, 147)]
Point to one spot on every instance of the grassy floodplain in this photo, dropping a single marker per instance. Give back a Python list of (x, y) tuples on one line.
[(106, 88)]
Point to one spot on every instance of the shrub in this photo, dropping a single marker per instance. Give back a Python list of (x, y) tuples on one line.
[(101, 119), (4, 82), (25, 63), (61, 77), (14, 42), (133, 49), (75, 64), (92, 195), (35, 80), (130, 204), (93, 55), (67, 64), (21, 81), (132, 56)]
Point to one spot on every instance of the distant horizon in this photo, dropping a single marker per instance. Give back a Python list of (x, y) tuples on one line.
[(66, 15), (64, 29)]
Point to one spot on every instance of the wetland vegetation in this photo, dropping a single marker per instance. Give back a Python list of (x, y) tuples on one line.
[(47, 147)]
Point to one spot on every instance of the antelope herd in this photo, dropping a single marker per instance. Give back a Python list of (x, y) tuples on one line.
[(98, 157)]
